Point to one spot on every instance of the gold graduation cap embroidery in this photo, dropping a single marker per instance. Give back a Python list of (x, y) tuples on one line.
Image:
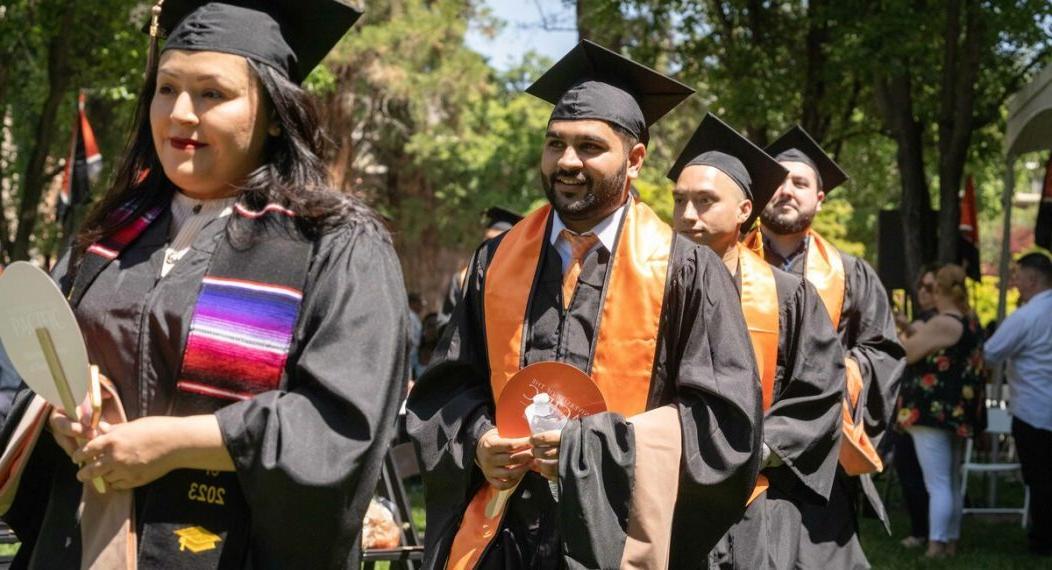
[(196, 539)]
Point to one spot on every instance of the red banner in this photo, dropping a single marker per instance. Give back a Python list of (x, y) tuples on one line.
[(968, 229)]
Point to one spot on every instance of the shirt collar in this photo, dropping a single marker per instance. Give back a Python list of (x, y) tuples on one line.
[(1045, 295), (183, 207), (605, 230), (787, 260)]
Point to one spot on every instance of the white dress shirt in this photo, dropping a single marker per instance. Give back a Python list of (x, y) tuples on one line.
[(605, 230), (1024, 339), (189, 216)]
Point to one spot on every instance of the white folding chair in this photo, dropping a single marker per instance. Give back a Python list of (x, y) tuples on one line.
[(998, 423)]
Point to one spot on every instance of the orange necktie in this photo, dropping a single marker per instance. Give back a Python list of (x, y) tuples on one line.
[(580, 245)]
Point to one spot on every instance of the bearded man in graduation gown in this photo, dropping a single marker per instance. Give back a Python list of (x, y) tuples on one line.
[(595, 280), (858, 305), (722, 183)]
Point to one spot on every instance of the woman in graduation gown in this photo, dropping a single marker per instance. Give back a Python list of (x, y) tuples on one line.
[(224, 290)]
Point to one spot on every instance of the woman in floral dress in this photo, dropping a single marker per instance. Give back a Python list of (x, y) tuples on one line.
[(941, 402)]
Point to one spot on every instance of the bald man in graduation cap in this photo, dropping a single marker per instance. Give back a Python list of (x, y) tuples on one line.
[(858, 305), (596, 280), (722, 183)]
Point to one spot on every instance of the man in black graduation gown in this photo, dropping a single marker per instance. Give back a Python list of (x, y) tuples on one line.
[(722, 183), (701, 382), (865, 325)]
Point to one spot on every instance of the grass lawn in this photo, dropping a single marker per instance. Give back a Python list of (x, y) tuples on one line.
[(987, 542)]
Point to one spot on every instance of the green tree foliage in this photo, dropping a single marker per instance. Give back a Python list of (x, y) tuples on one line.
[(906, 95), (428, 132), (49, 50)]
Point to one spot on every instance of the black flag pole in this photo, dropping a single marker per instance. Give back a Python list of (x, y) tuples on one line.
[(83, 164)]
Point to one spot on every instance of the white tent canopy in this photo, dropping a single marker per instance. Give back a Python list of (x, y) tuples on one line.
[(1029, 129), (1029, 126)]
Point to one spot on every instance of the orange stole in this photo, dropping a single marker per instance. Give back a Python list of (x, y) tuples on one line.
[(825, 270), (760, 306), (624, 348)]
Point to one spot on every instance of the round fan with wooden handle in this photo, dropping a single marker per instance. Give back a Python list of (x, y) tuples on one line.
[(41, 337)]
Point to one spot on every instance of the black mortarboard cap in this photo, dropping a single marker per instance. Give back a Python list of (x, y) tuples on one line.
[(592, 82), (500, 219), (795, 145), (292, 37), (714, 143)]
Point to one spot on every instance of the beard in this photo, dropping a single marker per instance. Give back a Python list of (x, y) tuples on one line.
[(785, 224), (600, 195)]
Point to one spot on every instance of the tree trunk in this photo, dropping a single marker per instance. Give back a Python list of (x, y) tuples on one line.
[(960, 71), (812, 118), (33, 179), (592, 11), (584, 31), (895, 102)]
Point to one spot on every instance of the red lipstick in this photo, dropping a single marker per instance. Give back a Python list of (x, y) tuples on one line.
[(186, 144)]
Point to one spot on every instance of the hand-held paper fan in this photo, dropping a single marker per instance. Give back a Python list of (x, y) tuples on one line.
[(43, 341), (570, 390)]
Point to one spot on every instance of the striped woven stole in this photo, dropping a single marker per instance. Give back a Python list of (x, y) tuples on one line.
[(246, 312)]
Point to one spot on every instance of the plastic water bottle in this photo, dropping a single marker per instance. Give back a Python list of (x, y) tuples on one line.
[(542, 416)]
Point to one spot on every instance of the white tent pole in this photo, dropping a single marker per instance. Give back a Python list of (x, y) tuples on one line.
[(1006, 238), (1002, 300)]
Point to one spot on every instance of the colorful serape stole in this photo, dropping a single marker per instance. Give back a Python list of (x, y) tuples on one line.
[(239, 338), (246, 312), (111, 247), (98, 255)]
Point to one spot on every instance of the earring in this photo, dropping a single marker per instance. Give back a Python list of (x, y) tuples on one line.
[(274, 131)]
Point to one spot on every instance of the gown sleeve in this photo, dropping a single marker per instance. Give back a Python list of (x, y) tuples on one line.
[(872, 343), (308, 457), (802, 426), (449, 409), (454, 292), (706, 357)]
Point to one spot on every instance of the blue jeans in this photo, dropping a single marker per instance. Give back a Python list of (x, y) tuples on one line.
[(939, 453)]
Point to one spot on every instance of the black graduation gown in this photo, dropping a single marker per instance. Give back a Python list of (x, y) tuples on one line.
[(829, 537), (454, 292), (307, 456), (703, 365), (802, 426)]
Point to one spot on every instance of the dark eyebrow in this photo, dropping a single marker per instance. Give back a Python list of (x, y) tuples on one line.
[(592, 139), (579, 139), (205, 77), (703, 192)]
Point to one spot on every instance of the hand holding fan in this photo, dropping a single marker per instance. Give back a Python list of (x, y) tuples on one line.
[(43, 341), (569, 389)]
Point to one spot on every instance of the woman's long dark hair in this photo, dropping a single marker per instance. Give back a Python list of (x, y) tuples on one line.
[(293, 173)]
